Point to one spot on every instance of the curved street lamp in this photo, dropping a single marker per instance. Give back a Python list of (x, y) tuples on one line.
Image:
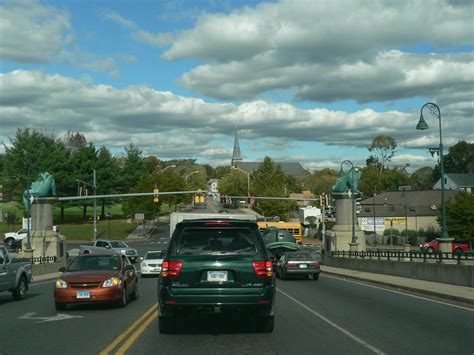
[(422, 125), (169, 166), (352, 193), (192, 173)]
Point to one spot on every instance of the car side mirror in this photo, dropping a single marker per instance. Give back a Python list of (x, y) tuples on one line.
[(62, 269)]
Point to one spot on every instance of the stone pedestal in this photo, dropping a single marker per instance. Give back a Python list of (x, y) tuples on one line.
[(445, 244), (45, 242), (353, 246), (341, 233)]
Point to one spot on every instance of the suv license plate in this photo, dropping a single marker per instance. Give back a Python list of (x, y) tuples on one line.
[(83, 294), (217, 276), (303, 266)]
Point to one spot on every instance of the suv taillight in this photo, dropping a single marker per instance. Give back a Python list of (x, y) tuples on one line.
[(263, 268), (171, 268)]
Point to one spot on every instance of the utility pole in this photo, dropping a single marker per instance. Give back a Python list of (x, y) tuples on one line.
[(95, 205), (323, 215)]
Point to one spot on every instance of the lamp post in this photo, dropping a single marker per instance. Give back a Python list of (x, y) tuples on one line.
[(375, 231), (194, 172), (422, 125), (94, 189), (108, 217)]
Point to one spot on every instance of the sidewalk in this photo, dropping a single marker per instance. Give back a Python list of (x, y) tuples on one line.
[(144, 231), (453, 292)]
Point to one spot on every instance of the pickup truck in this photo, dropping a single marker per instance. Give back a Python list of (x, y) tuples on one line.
[(15, 275), (11, 237), (433, 246), (101, 246)]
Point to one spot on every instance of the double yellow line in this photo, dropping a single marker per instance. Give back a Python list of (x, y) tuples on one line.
[(132, 332)]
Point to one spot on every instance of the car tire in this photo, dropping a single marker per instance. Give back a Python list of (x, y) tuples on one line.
[(166, 325), (134, 295), (9, 242), (430, 250), (60, 306), (122, 303), (458, 251), (315, 277), (265, 324), (20, 290)]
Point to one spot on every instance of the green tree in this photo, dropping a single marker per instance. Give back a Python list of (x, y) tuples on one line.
[(31, 152), (422, 179), (233, 184), (106, 175), (460, 158), (382, 150), (371, 181), (321, 181), (269, 180), (133, 168), (460, 216)]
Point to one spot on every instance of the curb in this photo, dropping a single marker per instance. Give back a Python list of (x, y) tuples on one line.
[(407, 288)]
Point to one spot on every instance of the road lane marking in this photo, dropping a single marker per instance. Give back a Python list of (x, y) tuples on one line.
[(401, 293), (59, 316), (127, 331), (342, 330), (136, 334)]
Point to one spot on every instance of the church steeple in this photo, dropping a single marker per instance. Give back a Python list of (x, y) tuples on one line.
[(236, 156)]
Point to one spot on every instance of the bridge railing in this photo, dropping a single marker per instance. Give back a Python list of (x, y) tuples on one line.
[(409, 256), (43, 259)]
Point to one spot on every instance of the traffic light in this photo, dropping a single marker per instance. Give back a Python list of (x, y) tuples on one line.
[(156, 198)]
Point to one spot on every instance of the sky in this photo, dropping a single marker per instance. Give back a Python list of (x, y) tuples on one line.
[(311, 81)]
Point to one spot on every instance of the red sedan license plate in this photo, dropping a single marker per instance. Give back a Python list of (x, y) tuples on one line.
[(83, 294), (217, 276)]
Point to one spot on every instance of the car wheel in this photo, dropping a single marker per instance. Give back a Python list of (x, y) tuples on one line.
[(430, 250), (265, 324), (60, 306), (166, 325), (124, 299), (458, 251), (10, 242), (315, 277), (134, 295), (20, 290)]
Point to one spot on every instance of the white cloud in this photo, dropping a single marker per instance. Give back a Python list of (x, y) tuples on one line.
[(153, 39), (173, 126), (32, 32), (122, 21), (330, 50)]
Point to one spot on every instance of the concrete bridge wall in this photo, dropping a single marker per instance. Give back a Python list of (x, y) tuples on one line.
[(462, 275)]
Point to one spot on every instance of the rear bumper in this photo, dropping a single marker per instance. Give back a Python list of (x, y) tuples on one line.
[(173, 298), (97, 295), (296, 272)]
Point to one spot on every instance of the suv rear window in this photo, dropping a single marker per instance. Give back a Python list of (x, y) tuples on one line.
[(205, 240)]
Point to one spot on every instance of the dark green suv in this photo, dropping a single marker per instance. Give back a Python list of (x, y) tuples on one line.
[(216, 266)]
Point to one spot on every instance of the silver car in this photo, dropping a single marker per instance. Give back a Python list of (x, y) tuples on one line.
[(299, 264)]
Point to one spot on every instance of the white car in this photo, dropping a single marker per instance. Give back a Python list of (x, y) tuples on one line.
[(151, 263), (12, 237)]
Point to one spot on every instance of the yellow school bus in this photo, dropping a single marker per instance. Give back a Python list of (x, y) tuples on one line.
[(293, 227)]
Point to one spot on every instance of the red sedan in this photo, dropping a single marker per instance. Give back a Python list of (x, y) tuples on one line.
[(96, 279)]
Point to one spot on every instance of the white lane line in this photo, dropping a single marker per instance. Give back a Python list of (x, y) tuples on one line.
[(342, 330), (400, 293)]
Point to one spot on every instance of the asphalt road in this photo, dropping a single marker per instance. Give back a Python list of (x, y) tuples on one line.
[(330, 316)]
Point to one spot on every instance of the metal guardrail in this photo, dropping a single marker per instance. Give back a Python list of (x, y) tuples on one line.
[(398, 255), (43, 259)]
